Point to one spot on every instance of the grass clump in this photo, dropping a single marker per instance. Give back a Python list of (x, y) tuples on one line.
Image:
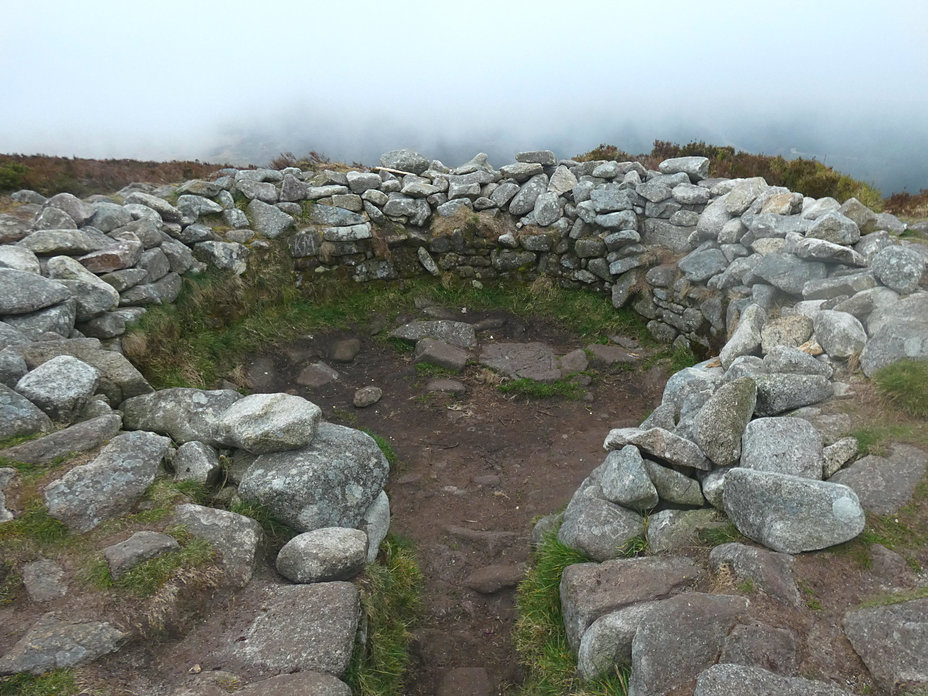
[(562, 388), (34, 525), (59, 682), (148, 577), (424, 369), (390, 600), (539, 633), (905, 385), (895, 598), (722, 534), (276, 533)]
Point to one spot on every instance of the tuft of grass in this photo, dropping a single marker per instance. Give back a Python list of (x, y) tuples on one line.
[(723, 534), (10, 583), (637, 546), (424, 369), (35, 525), (400, 345), (813, 602), (385, 447), (905, 384), (391, 601), (746, 586), (874, 439), (539, 632), (148, 577), (562, 388), (59, 682), (276, 533)]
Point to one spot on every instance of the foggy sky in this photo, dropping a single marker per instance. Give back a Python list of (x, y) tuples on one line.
[(845, 82)]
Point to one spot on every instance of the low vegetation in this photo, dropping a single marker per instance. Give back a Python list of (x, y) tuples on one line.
[(390, 601), (566, 388), (809, 177), (59, 682), (905, 385), (540, 638)]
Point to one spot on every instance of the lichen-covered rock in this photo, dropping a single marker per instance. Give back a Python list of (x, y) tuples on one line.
[(329, 483), (899, 268), (735, 680), (789, 513), (625, 482), (53, 643), (19, 416), (746, 340), (840, 334), (784, 445), (327, 553), (110, 484), (196, 461), (598, 528), (22, 292), (60, 387), (661, 444), (183, 414), (141, 546), (720, 423), (780, 392), (262, 423)]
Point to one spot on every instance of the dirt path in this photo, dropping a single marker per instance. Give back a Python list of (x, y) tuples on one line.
[(474, 471)]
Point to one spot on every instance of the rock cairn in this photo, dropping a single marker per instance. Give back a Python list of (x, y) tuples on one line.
[(796, 289)]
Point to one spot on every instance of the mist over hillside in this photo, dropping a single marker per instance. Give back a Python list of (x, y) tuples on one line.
[(893, 160)]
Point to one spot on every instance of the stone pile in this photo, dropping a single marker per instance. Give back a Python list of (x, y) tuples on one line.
[(798, 290)]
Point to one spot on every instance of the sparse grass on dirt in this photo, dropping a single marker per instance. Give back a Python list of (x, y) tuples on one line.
[(539, 633), (390, 599), (220, 317), (563, 388), (384, 444)]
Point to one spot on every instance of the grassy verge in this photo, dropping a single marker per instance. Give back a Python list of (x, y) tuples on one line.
[(539, 634), (390, 598), (59, 682), (905, 385)]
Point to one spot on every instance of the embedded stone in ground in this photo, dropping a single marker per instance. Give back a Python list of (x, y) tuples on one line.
[(320, 636), (737, 680), (882, 484), (44, 580), (535, 361), (54, 643), (141, 546), (236, 537)]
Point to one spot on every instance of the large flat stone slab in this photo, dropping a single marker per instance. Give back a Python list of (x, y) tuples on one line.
[(882, 484)]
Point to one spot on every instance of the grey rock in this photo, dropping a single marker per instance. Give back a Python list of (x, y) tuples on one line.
[(435, 352), (12, 367), (547, 209), (319, 637), (863, 302), (167, 211), (591, 590), (236, 537), (310, 683), (734, 679), (367, 396), (835, 228), (330, 483), (720, 423), (661, 661), (598, 528), (524, 200), (674, 487), (862, 215), (783, 445), (316, 375), (688, 194), (562, 181), (359, 182), (327, 553), (261, 191), (44, 580), (60, 387), (899, 268), (28, 196), (676, 530), (376, 523), (768, 571), (837, 454), (73, 206), (884, 485), (19, 416), (50, 242), (268, 220), (762, 645), (840, 334), (493, 578), (58, 319), (263, 423), (893, 642), (786, 360), (700, 265), (713, 219), (226, 256), (196, 461), (19, 259), (335, 216), (687, 390), (608, 640), (163, 291), (81, 437), (746, 339), (108, 485), (521, 171), (789, 513), (624, 220), (821, 250), (696, 168), (457, 333), (788, 273), (194, 206), (405, 160), (183, 414), (543, 157), (661, 444), (52, 643), (122, 254), (140, 547), (779, 392), (22, 292)]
